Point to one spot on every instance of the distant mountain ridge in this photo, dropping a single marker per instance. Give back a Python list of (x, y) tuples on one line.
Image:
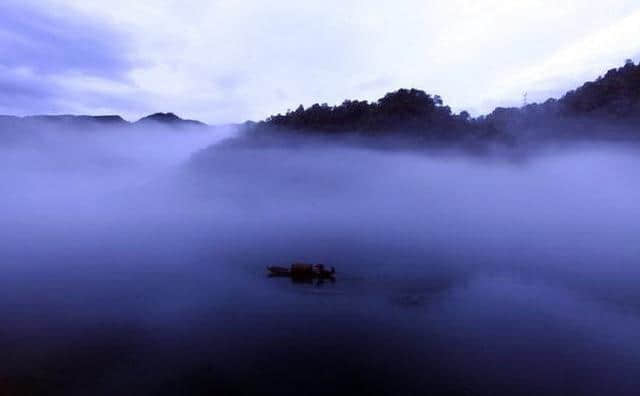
[(169, 119), (33, 129)]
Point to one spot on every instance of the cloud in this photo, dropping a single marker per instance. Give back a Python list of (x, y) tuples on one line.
[(49, 55), (588, 57), (222, 61), (53, 44), (21, 90)]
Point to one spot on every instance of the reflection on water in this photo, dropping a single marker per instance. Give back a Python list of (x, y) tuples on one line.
[(100, 331), (453, 277)]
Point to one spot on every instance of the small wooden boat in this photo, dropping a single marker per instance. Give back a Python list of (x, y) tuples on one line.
[(302, 270)]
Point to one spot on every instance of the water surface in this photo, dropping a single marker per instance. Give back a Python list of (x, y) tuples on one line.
[(457, 274)]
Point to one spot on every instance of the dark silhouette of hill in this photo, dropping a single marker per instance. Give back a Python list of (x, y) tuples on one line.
[(93, 122), (168, 119), (614, 95), (14, 130), (406, 112), (606, 106), (107, 120), (78, 119)]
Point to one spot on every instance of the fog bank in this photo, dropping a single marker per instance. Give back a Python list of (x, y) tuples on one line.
[(151, 252)]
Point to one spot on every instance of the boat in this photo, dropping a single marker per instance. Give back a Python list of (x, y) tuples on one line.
[(302, 270)]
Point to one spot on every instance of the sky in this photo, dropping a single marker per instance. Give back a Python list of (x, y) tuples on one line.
[(231, 61)]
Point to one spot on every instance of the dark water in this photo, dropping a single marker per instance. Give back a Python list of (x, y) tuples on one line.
[(456, 275)]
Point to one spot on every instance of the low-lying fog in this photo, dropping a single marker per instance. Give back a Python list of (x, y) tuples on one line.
[(135, 263)]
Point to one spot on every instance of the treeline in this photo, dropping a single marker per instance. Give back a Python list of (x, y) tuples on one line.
[(406, 111), (616, 95), (611, 99)]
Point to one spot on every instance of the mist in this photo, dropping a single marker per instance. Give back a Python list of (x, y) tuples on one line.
[(134, 261)]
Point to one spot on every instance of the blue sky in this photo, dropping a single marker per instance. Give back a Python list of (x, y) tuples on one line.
[(229, 61)]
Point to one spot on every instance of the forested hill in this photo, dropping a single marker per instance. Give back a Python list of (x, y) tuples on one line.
[(407, 111), (612, 99), (616, 94), (409, 108), (607, 105)]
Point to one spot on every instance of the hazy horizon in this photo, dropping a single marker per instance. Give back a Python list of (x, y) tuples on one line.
[(220, 62)]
